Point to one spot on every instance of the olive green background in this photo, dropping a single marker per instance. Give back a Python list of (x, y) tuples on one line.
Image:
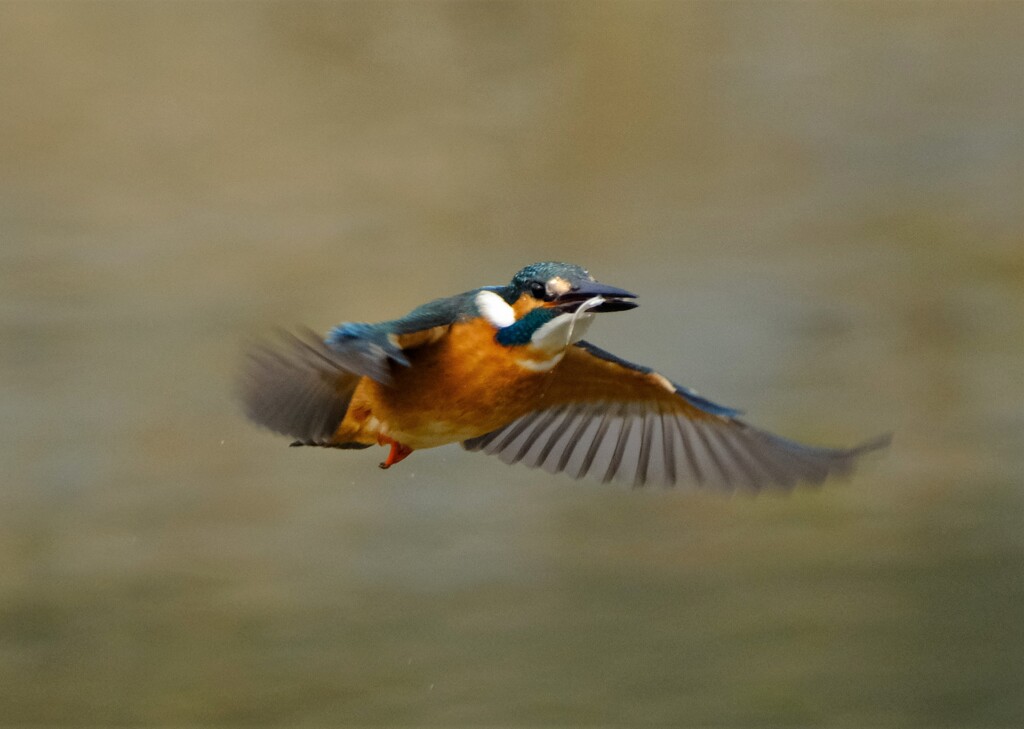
[(820, 205)]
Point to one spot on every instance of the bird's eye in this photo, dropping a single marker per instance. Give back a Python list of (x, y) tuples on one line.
[(538, 290)]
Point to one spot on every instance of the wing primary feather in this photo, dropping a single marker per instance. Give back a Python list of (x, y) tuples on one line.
[(566, 414), (513, 431), (620, 447), (778, 474), (669, 450), (646, 438), (634, 443), (595, 444), (515, 454), (726, 480), (516, 449), (812, 464), (480, 442), (542, 425), (574, 441), (734, 455), (683, 425), (607, 448), (804, 466)]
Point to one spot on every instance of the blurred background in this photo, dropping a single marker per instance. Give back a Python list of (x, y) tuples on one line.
[(820, 205)]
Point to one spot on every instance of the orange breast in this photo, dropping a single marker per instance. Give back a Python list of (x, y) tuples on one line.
[(461, 386)]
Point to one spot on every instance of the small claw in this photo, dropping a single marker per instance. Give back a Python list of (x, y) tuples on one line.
[(398, 453)]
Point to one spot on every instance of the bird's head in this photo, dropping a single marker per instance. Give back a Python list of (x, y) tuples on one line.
[(565, 287), (548, 305)]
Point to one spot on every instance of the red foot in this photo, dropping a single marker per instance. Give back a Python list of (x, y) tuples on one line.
[(398, 452)]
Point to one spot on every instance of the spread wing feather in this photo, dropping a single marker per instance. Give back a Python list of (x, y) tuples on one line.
[(609, 419), (297, 387)]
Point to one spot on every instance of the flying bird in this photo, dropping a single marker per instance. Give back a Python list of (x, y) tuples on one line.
[(506, 370)]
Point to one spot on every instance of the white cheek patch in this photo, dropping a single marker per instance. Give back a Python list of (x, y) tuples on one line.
[(494, 309)]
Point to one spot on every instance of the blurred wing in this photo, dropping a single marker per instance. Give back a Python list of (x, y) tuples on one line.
[(610, 419), (297, 387), (302, 385)]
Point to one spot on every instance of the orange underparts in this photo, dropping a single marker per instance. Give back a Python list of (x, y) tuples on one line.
[(398, 451)]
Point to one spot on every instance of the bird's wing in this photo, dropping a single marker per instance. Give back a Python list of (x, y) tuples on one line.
[(297, 386), (371, 350), (301, 385), (608, 418)]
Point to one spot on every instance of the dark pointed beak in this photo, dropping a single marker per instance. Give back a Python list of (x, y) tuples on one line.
[(615, 299)]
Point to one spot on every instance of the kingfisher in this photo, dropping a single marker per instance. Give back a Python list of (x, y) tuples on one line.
[(505, 370)]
